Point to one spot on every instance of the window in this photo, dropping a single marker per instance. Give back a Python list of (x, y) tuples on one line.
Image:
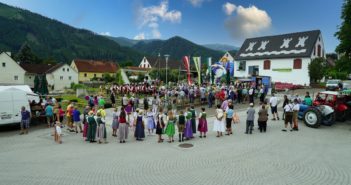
[(3, 64), (85, 75), (69, 78), (297, 63), (63, 69), (242, 66), (30, 77), (253, 70), (16, 77), (61, 77), (67, 69), (95, 75), (267, 65), (319, 50)]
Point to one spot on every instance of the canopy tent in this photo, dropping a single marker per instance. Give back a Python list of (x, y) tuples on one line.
[(31, 95)]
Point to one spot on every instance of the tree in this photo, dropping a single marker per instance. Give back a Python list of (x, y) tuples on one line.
[(316, 69), (25, 54), (344, 33)]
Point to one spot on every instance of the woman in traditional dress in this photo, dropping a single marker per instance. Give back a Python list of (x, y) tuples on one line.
[(202, 127), (170, 129), (123, 127), (85, 122), (101, 129), (218, 125), (160, 125), (188, 131), (150, 121), (139, 133), (115, 122), (91, 127)]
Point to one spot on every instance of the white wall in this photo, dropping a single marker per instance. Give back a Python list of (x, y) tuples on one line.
[(296, 76), (10, 70), (315, 49), (68, 76), (29, 79)]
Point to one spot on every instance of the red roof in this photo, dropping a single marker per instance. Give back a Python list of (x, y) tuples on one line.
[(40, 68), (95, 66)]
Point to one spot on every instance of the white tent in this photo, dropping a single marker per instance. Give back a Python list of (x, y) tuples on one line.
[(31, 95)]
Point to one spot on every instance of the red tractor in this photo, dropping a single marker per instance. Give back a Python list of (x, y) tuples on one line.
[(327, 106)]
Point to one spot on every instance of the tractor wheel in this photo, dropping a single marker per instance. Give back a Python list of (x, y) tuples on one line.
[(329, 119), (312, 118), (342, 116)]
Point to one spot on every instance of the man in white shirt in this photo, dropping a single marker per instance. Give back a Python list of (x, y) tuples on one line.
[(288, 115), (273, 101)]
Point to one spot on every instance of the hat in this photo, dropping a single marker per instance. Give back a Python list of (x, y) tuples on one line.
[(251, 104)]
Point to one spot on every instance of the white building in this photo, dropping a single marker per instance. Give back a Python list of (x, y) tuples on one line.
[(10, 72), (285, 58), (58, 76)]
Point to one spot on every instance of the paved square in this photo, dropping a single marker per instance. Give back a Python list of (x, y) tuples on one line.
[(310, 156)]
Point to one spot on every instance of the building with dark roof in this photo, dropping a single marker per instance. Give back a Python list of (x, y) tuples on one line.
[(285, 58), (160, 63), (89, 69)]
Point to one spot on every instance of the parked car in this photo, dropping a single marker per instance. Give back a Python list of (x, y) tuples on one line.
[(333, 85)]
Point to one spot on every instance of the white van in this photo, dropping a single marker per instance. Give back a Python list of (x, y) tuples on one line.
[(11, 101)]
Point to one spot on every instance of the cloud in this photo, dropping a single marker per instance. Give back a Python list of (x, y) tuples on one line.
[(152, 15), (229, 8), (105, 33), (247, 22), (196, 3), (140, 36)]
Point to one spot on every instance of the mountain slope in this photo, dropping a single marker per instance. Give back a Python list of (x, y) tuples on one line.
[(176, 47), (49, 38), (221, 47)]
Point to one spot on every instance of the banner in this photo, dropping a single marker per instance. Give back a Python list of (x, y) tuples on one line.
[(186, 62), (197, 62), (230, 67)]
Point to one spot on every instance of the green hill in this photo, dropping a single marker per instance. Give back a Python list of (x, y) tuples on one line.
[(49, 38), (176, 47)]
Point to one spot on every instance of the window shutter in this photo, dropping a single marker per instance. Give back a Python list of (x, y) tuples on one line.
[(267, 65), (297, 63)]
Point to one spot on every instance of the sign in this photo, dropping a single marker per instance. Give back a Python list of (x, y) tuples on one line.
[(282, 70)]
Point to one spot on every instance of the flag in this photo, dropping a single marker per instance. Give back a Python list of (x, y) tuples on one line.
[(186, 63), (197, 62), (230, 67)]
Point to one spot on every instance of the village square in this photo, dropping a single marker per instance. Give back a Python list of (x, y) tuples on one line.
[(82, 106)]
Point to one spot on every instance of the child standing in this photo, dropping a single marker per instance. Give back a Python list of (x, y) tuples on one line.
[(229, 119), (181, 125), (58, 133), (202, 127), (188, 131), (170, 129)]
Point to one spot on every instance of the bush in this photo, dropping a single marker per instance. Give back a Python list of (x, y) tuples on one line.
[(78, 86), (73, 100)]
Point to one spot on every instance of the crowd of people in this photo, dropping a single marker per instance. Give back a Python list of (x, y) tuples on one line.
[(165, 111)]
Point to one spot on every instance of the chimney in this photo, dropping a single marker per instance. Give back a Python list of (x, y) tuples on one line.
[(8, 53)]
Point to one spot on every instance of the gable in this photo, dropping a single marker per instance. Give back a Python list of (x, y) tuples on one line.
[(5, 58), (292, 45)]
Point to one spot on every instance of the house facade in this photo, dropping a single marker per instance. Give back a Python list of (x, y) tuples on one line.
[(160, 63), (58, 76), (11, 72), (89, 69), (284, 58)]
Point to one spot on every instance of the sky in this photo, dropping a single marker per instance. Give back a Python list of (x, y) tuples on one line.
[(201, 21)]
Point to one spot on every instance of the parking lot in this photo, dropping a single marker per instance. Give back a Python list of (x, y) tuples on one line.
[(309, 156)]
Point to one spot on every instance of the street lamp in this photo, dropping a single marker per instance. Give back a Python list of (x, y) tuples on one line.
[(166, 56)]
